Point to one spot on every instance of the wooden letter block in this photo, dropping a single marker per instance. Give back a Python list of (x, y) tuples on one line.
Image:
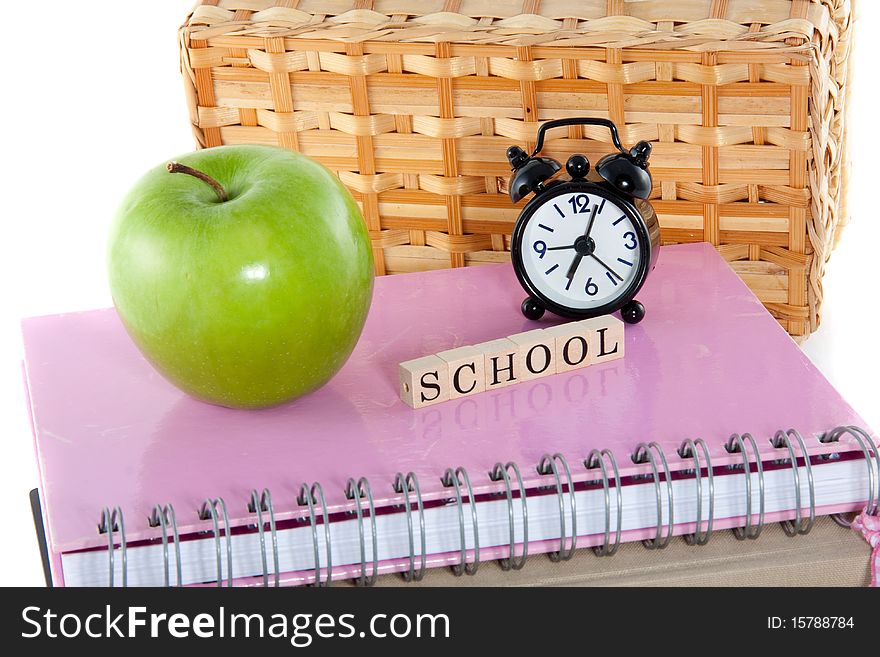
[(572, 347), (424, 381), (606, 337), (500, 363), (467, 372), (535, 354)]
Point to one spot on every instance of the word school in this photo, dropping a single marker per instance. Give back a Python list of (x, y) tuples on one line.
[(517, 358)]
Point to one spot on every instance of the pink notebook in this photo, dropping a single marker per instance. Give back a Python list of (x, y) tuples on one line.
[(707, 362)]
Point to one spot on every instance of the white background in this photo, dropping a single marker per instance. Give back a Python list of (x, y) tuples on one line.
[(93, 99)]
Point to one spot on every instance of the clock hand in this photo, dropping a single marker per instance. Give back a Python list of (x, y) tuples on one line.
[(575, 263), (613, 273), (574, 267), (560, 248), (592, 219)]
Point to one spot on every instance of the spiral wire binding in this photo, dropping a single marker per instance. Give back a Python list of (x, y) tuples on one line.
[(357, 490), (550, 465), (163, 516), (215, 509), (209, 512), (113, 521), (688, 449), (404, 486), (872, 505), (644, 454), (453, 478), (259, 504), (309, 497), (736, 444), (502, 473), (783, 439), (596, 460)]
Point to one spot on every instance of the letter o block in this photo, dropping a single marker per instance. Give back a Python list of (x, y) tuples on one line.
[(573, 349), (535, 354)]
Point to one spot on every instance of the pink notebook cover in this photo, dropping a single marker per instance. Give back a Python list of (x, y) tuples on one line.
[(707, 361)]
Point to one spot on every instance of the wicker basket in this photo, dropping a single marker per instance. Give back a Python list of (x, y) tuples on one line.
[(414, 102)]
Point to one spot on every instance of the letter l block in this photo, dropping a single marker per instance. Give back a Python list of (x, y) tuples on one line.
[(606, 337)]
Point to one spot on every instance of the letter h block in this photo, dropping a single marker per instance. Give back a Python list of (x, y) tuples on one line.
[(501, 365)]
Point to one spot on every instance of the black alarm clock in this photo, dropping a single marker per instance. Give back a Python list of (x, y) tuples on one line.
[(583, 247)]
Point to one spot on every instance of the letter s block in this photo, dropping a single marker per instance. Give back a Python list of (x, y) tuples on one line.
[(424, 381), (466, 371)]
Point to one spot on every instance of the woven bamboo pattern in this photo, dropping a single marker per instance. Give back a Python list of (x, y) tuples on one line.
[(412, 103)]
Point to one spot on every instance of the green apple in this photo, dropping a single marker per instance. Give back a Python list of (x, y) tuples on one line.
[(243, 273)]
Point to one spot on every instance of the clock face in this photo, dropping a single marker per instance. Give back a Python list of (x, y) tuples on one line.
[(581, 250)]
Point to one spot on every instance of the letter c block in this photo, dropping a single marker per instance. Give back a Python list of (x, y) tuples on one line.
[(467, 374)]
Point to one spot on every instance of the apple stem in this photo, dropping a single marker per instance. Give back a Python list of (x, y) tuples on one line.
[(177, 167)]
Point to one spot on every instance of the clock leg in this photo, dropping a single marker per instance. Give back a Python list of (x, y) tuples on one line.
[(633, 312), (532, 309)]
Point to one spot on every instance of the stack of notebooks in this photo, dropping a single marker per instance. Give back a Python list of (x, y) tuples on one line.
[(714, 420)]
